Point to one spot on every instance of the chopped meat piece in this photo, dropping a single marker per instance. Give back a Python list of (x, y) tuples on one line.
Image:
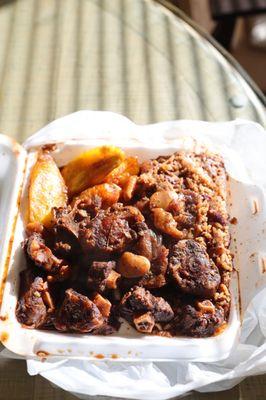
[(65, 217), (186, 209), (160, 261), (213, 165), (78, 314), (216, 214), (156, 175), (144, 322), (34, 301), (87, 208), (47, 298), (148, 166), (103, 305), (130, 213), (111, 231), (156, 278), (98, 274), (65, 230), (146, 185), (163, 199), (61, 275), (105, 329), (148, 242), (162, 310), (139, 300), (110, 325), (150, 246), (129, 187), (106, 234), (192, 269), (143, 205), (198, 323), (41, 255), (206, 306), (152, 281), (165, 222), (111, 281)]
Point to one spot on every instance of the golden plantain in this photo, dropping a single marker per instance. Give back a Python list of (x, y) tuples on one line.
[(120, 174), (47, 189), (91, 167)]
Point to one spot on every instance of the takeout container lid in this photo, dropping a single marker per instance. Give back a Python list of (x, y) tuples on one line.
[(72, 134)]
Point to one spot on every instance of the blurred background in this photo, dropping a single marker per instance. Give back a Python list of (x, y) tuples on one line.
[(151, 60), (239, 25)]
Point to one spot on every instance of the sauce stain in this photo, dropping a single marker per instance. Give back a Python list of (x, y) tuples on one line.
[(255, 207), (3, 317), (42, 353), (220, 329), (263, 265), (233, 221), (239, 296), (99, 356), (4, 337)]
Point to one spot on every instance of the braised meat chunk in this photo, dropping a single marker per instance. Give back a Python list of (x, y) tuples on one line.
[(192, 269), (144, 322), (146, 243), (35, 305), (187, 209), (78, 314), (41, 255), (201, 322), (102, 275), (140, 305), (66, 225), (111, 231), (150, 246)]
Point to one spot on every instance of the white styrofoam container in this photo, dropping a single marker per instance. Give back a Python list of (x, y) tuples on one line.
[(72, 136)]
